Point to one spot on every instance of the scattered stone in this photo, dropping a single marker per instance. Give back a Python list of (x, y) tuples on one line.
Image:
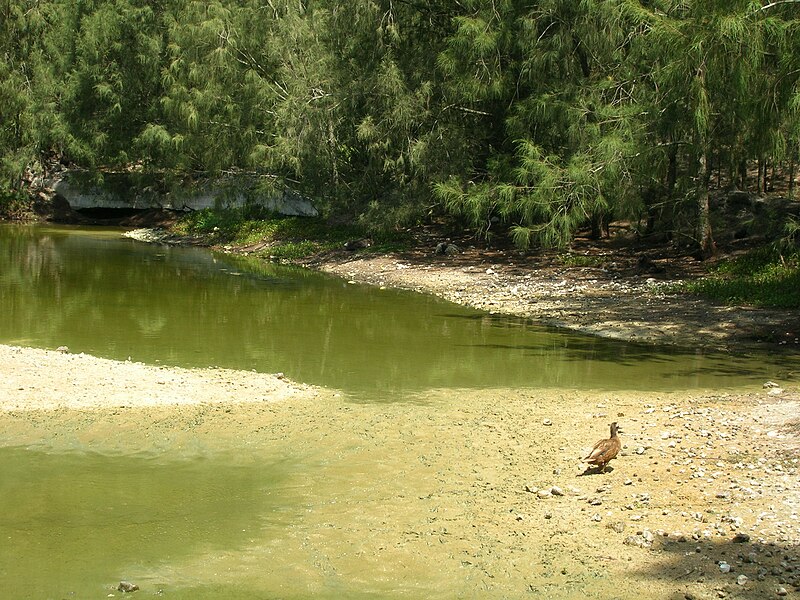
[(770, 384), (547, 422), (447, 249), (781, 591), (617, 527), (741, 538), (724, 567), (353, 245), (63, 349), (529, 487), (741, 579), (127, 586), (638, 541), (544, 494), (556, 491)]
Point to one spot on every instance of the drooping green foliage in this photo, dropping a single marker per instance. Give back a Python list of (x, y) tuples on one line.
[(26, 92), (537, 118), (552, 79)]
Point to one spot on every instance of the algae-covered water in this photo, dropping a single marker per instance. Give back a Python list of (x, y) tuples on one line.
[(99, 293)]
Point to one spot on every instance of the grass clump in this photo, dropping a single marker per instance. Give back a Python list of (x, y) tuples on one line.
[(580, 260), (288, 238), (14, 204), (768, 278)]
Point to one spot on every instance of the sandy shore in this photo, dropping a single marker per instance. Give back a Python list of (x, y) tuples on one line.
[(462, 493), (626, 305)]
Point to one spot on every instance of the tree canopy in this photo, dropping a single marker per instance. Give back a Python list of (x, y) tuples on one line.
[(538, 117)]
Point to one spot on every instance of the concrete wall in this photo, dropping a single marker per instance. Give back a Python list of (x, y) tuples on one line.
[(124, 190)]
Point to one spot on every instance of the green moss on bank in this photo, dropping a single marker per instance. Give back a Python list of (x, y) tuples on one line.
[(281, 237)]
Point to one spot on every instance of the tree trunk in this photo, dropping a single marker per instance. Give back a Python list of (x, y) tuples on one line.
[(672, 170), (743, 175), (705, 236)]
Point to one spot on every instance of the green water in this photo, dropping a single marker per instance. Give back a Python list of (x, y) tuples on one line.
[(101, 294), (74, 525)]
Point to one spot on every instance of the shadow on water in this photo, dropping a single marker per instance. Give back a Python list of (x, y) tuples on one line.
[(105, 295)]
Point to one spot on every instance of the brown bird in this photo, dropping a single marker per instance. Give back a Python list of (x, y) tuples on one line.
[(605, 450)]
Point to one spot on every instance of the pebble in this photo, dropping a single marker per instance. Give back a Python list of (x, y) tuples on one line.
[(741, 538), (741, 579), (781, 591), (547, 422), (617, 527), (724, 567), (544, 494), (127, 586), (556, 491), (639, 540)]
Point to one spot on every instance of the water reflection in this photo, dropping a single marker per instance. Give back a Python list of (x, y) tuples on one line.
[(102, 294)]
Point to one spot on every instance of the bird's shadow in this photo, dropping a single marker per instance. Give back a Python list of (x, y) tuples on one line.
[(596, 471)]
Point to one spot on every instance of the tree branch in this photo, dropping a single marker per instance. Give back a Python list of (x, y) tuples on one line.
[(776, 3)]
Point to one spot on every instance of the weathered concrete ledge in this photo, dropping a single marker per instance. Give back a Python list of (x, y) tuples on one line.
[(126, 190)]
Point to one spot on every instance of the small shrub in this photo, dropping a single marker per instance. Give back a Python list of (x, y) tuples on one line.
[(767, 278)]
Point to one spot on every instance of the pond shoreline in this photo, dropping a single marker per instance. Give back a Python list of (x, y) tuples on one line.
[(621, 301)]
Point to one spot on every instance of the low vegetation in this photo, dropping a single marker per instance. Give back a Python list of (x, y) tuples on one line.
[(767, 277), (280, 238)]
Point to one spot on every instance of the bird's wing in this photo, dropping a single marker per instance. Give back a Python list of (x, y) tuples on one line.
[(597, 450)]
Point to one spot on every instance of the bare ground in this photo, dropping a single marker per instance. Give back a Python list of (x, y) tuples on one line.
[(476, 493)]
